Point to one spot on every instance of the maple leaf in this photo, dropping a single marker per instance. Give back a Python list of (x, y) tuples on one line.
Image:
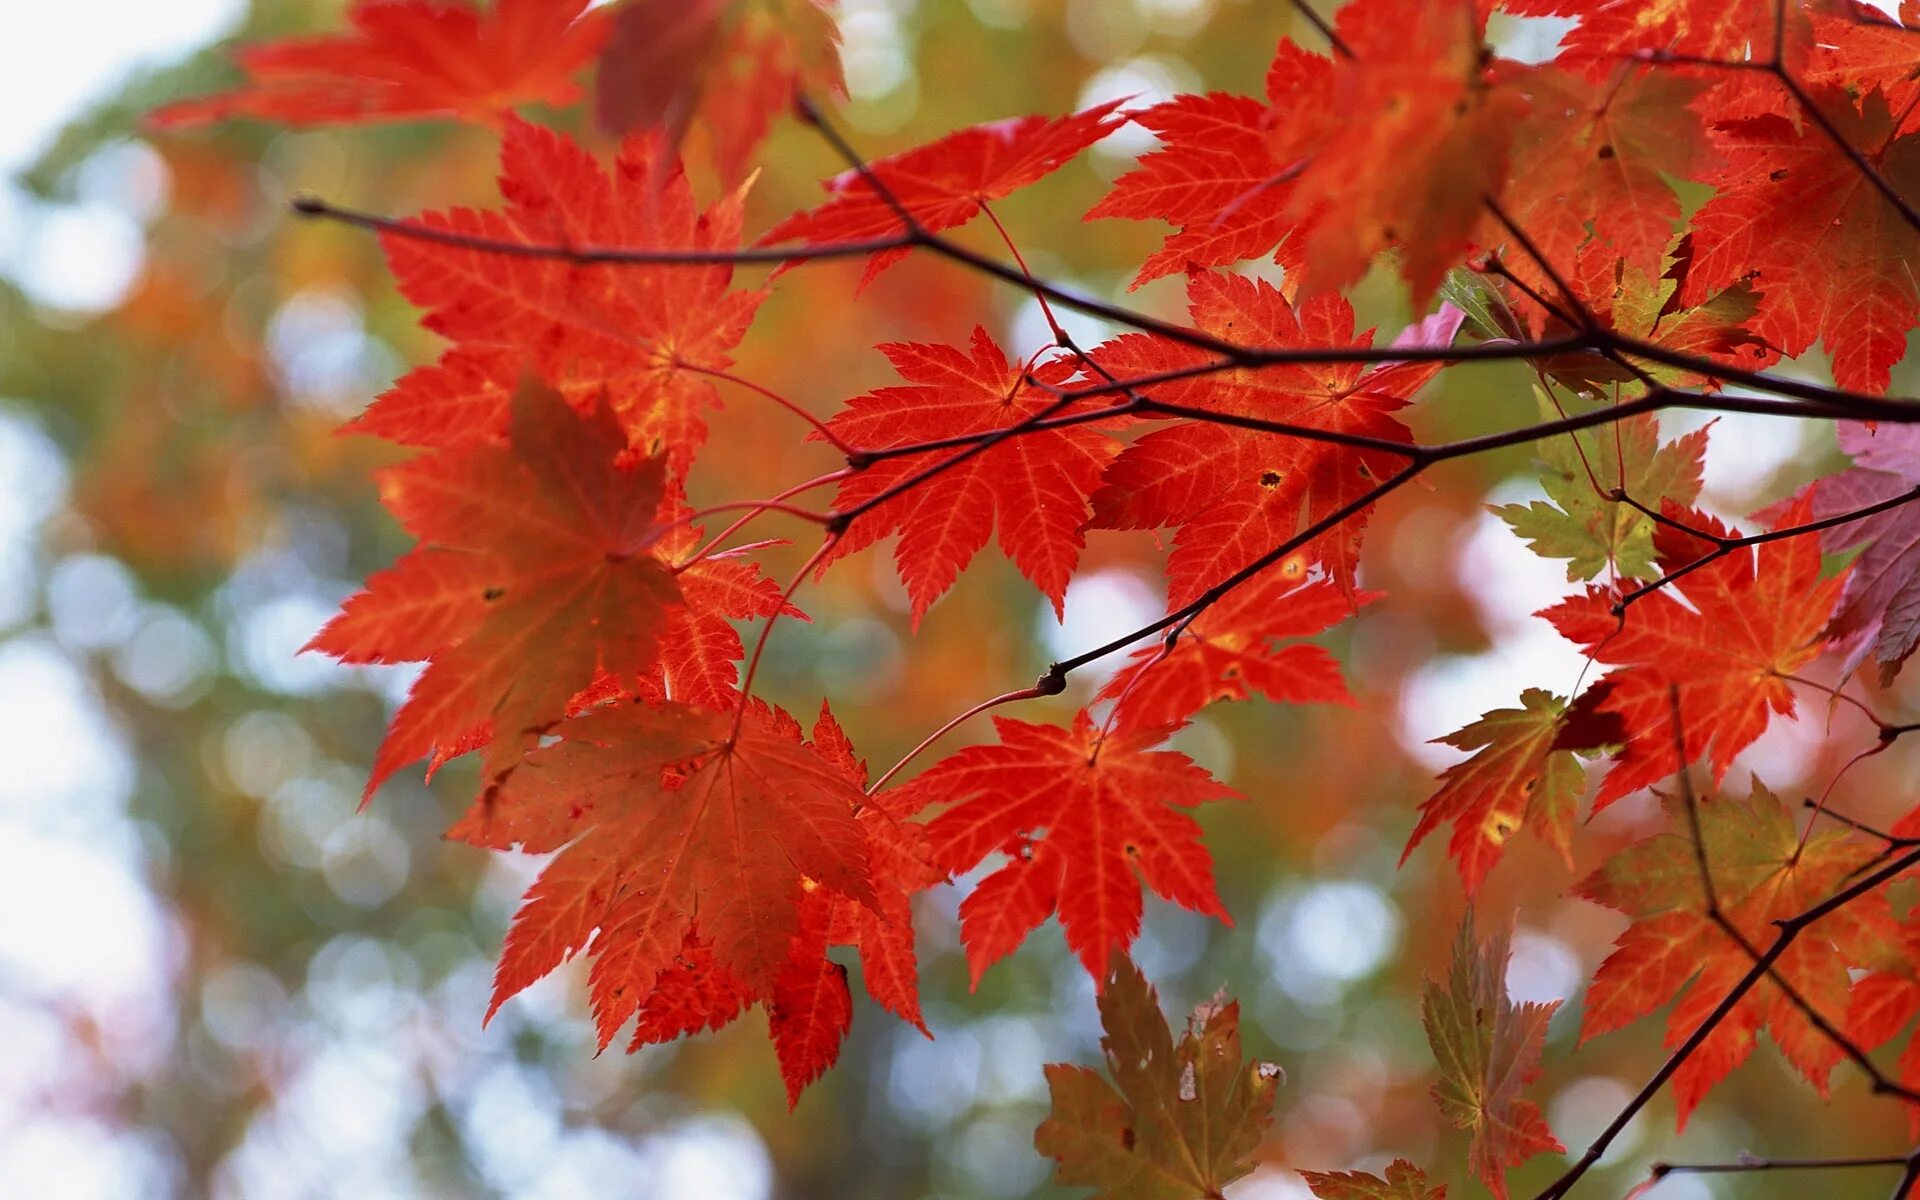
[(699, 644), (1858, 47), (661, 815), (902, 865), (1880, 606), (1763, 871), (639, 335), (1578, 522), (809, 1006), (1033, 487), (1219, 174), (1227, 653), (540, 552), (1236, 493), (1796, 217), (1396, 145), (1080, 815), (1403, 1181), (409, 60), (1178, 1122), (1750, 619), (943, 183), (1884, 1002), (1591, 160), (726, 67), (1419, 139), (1516, 778), (1489, 1051), (1611, 29)]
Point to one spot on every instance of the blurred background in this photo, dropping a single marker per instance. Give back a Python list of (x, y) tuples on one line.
[(218, 977)]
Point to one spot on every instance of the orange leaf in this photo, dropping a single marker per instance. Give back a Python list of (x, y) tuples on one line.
[(411, 60)]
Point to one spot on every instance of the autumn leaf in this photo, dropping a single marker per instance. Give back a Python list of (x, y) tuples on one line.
[(642, 336), (412, 60), (1578, 471), (542, 550), (1884, 1002), (1793, 214), (1610, 30), (1178, 1122), (1080, 816), (1219, 173), (1403, 1181), (1228, 653), (1750, 619), (1515, 778), (1591, 161), (1419, 140), (1880, 606), (1033, 487), (903, 865), (1238, 493), (1763, 870), (724, 67), (664, 817), (1395, 145), (699, 644), (943, 183), (1859, 47), (1489, 1050)]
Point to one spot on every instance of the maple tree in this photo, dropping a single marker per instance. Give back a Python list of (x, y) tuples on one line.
[(1653, 216)]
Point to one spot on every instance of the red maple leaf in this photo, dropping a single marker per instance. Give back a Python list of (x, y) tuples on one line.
[(1750, 619), (1858, 47), (668, 816), (639, 335), (412, 59), (1080, 816), (1220, 173), (902, 865), (699, 644), (1886, 1001), (543, 551), (1237, 493), (1034, 487), (1763, 871), (1610, 30), (724, 67), (1591, 161), (944, 182), (1395, 144), (1797, 218), (1418, 140), (1227, 653)]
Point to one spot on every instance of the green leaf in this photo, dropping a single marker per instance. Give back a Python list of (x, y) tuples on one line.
[(1178, 1122), (1578, 522), (1485, 307)]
